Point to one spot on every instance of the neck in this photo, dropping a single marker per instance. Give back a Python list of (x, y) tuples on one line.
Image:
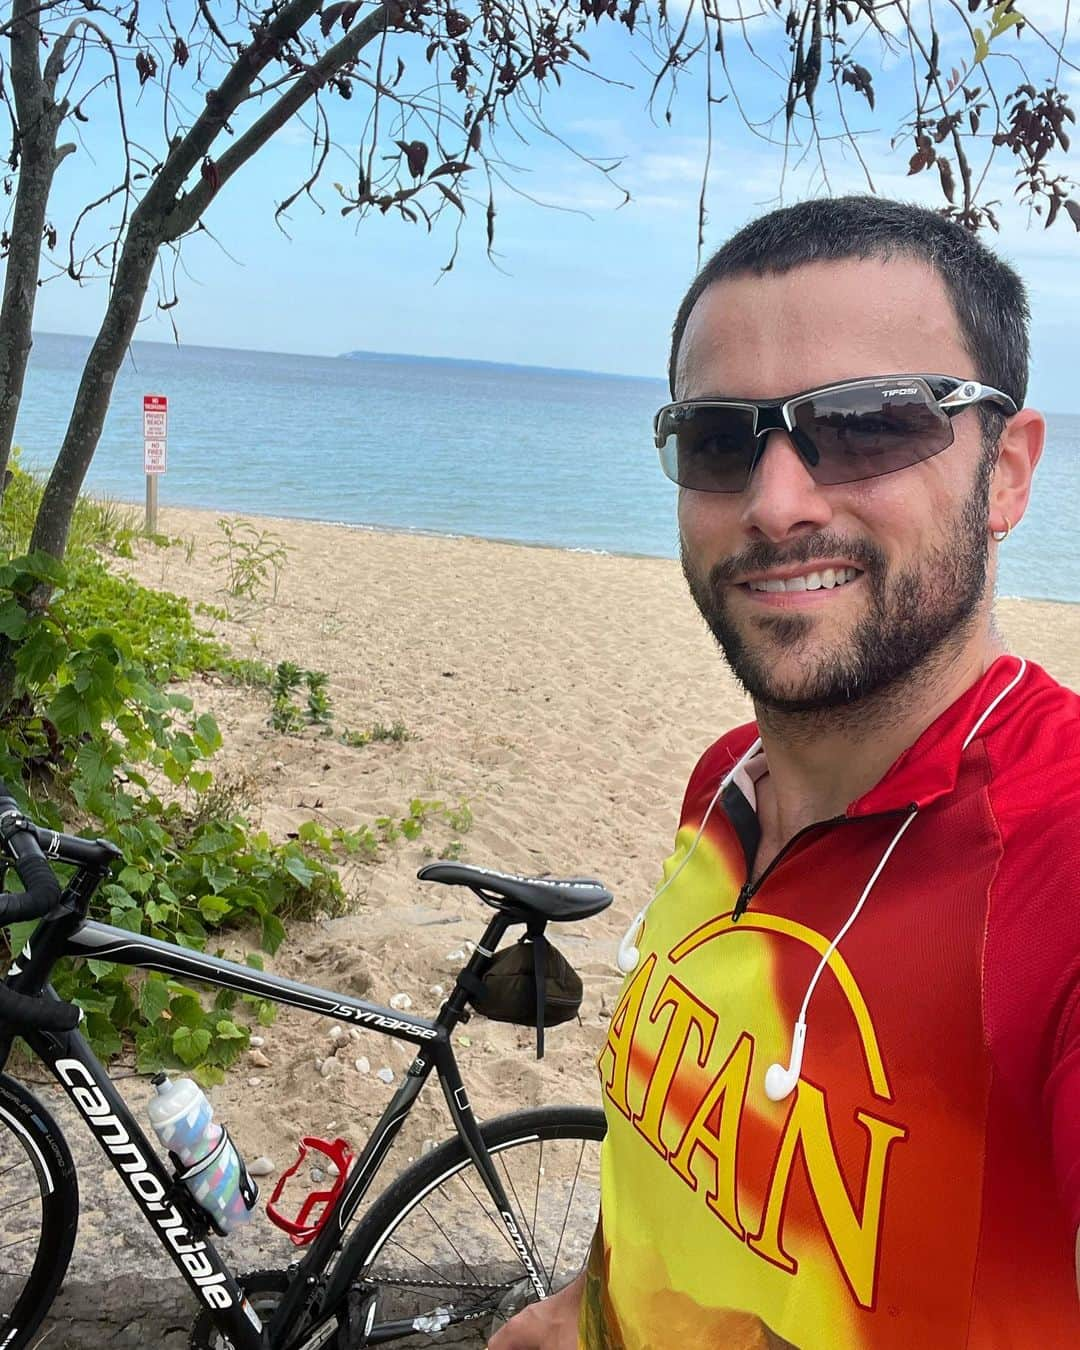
[(821, 762)]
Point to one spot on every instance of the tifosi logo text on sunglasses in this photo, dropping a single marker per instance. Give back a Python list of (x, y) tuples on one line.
[(893, 393)]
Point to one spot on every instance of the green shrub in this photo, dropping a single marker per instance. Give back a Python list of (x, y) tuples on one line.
[(94, 739), (253, 558), (287, 716), (91, 735)]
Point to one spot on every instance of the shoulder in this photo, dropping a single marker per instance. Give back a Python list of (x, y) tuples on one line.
[(1034, 758), (717, 760), (1031, 965)]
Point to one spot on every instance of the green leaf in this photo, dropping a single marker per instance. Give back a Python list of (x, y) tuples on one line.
[(187, 1010), (103, 1035), (12, 618), (190, 1045), (70, 714), (40, 655), (130, 919), (44, 567), (153, 997), (174, 770), (94, 766), (95, 1003), (982, 47), (298, 868), (207, 734), (229, 1031), (19, 934), (273, 933)]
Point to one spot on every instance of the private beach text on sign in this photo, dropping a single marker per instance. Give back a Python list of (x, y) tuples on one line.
[(155, 432)]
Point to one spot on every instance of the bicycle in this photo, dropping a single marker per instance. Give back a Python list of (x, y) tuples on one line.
[(408, 1265)]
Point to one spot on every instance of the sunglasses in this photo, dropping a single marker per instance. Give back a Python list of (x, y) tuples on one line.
[(842, 432)]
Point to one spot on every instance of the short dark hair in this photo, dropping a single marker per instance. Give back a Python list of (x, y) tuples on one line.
[(988, 295)]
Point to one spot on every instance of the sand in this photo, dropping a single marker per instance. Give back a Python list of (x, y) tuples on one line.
[(563, 696)]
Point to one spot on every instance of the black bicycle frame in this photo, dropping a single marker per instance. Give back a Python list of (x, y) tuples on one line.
[(179, 1223)]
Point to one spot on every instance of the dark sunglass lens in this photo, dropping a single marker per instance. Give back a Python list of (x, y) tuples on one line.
[(709, 448), (868, 430)]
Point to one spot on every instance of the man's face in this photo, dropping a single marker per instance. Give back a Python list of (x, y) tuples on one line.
[(917, 538)]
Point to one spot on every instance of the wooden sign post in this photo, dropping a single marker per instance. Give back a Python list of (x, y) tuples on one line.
[(155, 444)]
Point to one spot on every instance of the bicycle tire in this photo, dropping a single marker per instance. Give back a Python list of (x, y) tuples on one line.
[(39, 1212), (424, 1256)]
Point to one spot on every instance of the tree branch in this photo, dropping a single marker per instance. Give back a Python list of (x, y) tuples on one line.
[(191, 206), (221, 103)]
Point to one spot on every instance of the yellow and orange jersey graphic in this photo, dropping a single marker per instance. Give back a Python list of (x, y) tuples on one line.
[(872, 1207)]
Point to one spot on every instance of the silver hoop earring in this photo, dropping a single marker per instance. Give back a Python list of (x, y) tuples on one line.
[(999, 536)]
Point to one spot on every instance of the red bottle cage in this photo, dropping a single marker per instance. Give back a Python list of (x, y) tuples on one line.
[(304, 1227)]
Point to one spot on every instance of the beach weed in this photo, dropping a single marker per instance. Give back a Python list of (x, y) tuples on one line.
[(253, 558), (318, 700), (398, 733), (97, 522), (286, 715), (247, 672), (460, 817)]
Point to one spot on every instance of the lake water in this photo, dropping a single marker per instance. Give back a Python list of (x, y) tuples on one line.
[(456, 447)]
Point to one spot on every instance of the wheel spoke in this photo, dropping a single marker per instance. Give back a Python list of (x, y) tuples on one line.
[(438, 1253), (566, 1215)]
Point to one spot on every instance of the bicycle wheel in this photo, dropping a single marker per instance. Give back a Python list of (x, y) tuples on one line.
[(438, 1265), (39, 1212)]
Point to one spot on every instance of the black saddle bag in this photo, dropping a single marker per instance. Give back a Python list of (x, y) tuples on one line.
[(530, 984)]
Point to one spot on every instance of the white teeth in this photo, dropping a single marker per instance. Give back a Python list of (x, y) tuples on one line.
[(827, 579)]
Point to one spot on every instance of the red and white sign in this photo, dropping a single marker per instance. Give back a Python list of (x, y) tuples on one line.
[(155, 432)]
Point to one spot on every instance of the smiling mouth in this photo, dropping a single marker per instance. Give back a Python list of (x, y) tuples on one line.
[(828, 579)]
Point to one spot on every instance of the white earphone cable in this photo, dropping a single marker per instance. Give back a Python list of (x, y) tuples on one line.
[(628, 956)]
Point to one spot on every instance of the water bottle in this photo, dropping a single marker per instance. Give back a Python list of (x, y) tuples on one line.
[(183, 1120)]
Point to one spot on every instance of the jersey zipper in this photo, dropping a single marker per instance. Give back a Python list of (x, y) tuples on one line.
[(751, 888)]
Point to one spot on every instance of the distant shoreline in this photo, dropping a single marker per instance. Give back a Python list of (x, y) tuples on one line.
[(360, 354)]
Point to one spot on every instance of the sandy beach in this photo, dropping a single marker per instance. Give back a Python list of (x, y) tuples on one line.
[(564, 697)]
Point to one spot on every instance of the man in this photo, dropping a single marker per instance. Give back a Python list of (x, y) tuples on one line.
[(843, 1081)]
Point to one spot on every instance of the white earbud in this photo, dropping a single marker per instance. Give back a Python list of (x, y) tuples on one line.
[(780, 1082), (629, 955)]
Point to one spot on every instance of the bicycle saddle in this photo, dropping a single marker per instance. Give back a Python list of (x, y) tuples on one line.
[(542, 897)]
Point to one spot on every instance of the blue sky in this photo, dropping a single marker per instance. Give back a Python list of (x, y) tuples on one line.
[(582, 282)]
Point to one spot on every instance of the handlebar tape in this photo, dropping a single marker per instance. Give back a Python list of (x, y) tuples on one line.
[(44, 1014), (41, 895)]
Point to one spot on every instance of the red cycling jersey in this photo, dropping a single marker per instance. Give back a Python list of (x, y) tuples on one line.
[(921, 1184)]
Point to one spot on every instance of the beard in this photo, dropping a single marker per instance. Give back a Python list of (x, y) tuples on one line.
[(914, 616)]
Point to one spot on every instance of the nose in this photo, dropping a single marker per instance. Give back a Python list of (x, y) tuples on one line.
[(781, 499)]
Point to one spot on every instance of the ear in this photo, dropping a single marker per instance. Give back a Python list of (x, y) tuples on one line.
[(1019, 450)]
